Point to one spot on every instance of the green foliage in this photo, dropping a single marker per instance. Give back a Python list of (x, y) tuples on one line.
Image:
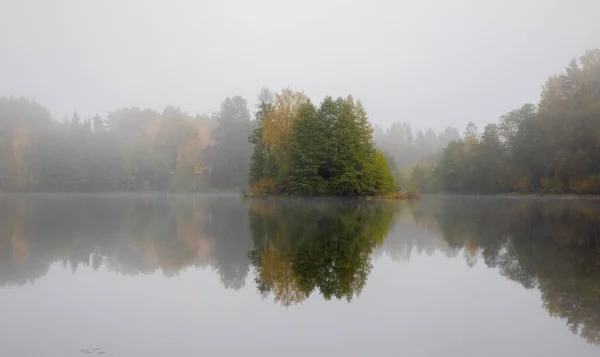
[(451, 167), (306, 157), (553, 148), (303, 246), (383, 176), (424, 179), (329, 152)]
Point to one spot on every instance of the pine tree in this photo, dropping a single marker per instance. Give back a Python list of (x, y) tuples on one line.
[(306, 158), (324, 151)]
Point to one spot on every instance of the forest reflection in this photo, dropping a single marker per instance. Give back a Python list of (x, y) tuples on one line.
[(297, 248), (552, 245), (129, 234)]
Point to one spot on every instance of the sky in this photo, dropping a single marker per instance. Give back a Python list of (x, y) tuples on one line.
[(432, 63)]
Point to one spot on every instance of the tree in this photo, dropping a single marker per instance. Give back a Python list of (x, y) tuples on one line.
[(174, 134), (232, 150), (408, 150), (262, 161), (75, 120), (98, 123), (451, 167), (278, 124), (306, 157), (554, 147), (328, 150), (471, 136), (490, 160)]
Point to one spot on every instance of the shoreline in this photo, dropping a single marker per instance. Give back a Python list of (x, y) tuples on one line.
[(566, 196), (399, 196), (364, 198)]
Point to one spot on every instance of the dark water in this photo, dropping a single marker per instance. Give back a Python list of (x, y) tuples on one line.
[(216, 276)]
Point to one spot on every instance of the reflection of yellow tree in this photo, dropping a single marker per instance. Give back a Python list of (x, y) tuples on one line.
[(263, 207), (302, 246), (186, 244), (278, 273)]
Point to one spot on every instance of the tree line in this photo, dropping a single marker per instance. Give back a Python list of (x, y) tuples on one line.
[(291, 147), (406, 149), (131, 149), (551, 147), (296, 147)]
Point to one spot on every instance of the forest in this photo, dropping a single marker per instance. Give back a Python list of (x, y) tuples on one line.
[(291, 146), (132, 149), (551, 147), (300, 149)]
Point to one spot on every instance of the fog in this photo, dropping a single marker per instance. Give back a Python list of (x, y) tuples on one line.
[(143, 144), (432, 63)]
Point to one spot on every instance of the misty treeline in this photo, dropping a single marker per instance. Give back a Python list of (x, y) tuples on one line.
[(130, 150), (295, 147), (412, 156), (406, 149), (551, 147), (291, 147), (302, 149)]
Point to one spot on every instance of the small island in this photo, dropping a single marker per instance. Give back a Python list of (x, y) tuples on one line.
[(304, 150)]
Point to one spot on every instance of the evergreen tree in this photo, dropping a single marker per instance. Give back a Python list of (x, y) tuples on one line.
[(326, 151), (306, 157), (232, 151)]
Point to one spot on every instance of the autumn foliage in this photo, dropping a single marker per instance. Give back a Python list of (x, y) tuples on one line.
[(131, 150), (300, 149)]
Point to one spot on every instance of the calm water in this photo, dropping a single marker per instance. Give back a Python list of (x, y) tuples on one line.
[(216, 276)]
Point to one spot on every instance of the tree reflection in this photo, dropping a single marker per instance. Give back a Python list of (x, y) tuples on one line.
[(305, 245), (130, 234), (547, 244), (297, 247)]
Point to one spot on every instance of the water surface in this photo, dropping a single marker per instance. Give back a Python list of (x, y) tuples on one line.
[(156, 275)]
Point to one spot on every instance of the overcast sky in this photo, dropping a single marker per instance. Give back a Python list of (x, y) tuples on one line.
[(430, 62)]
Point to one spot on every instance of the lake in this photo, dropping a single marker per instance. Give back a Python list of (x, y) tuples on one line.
[(159, 275)]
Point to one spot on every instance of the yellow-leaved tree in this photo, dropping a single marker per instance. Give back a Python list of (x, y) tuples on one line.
[(277, 125)]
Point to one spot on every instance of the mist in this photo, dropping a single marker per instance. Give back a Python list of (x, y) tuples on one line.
[(429, 63), (267, 177)]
